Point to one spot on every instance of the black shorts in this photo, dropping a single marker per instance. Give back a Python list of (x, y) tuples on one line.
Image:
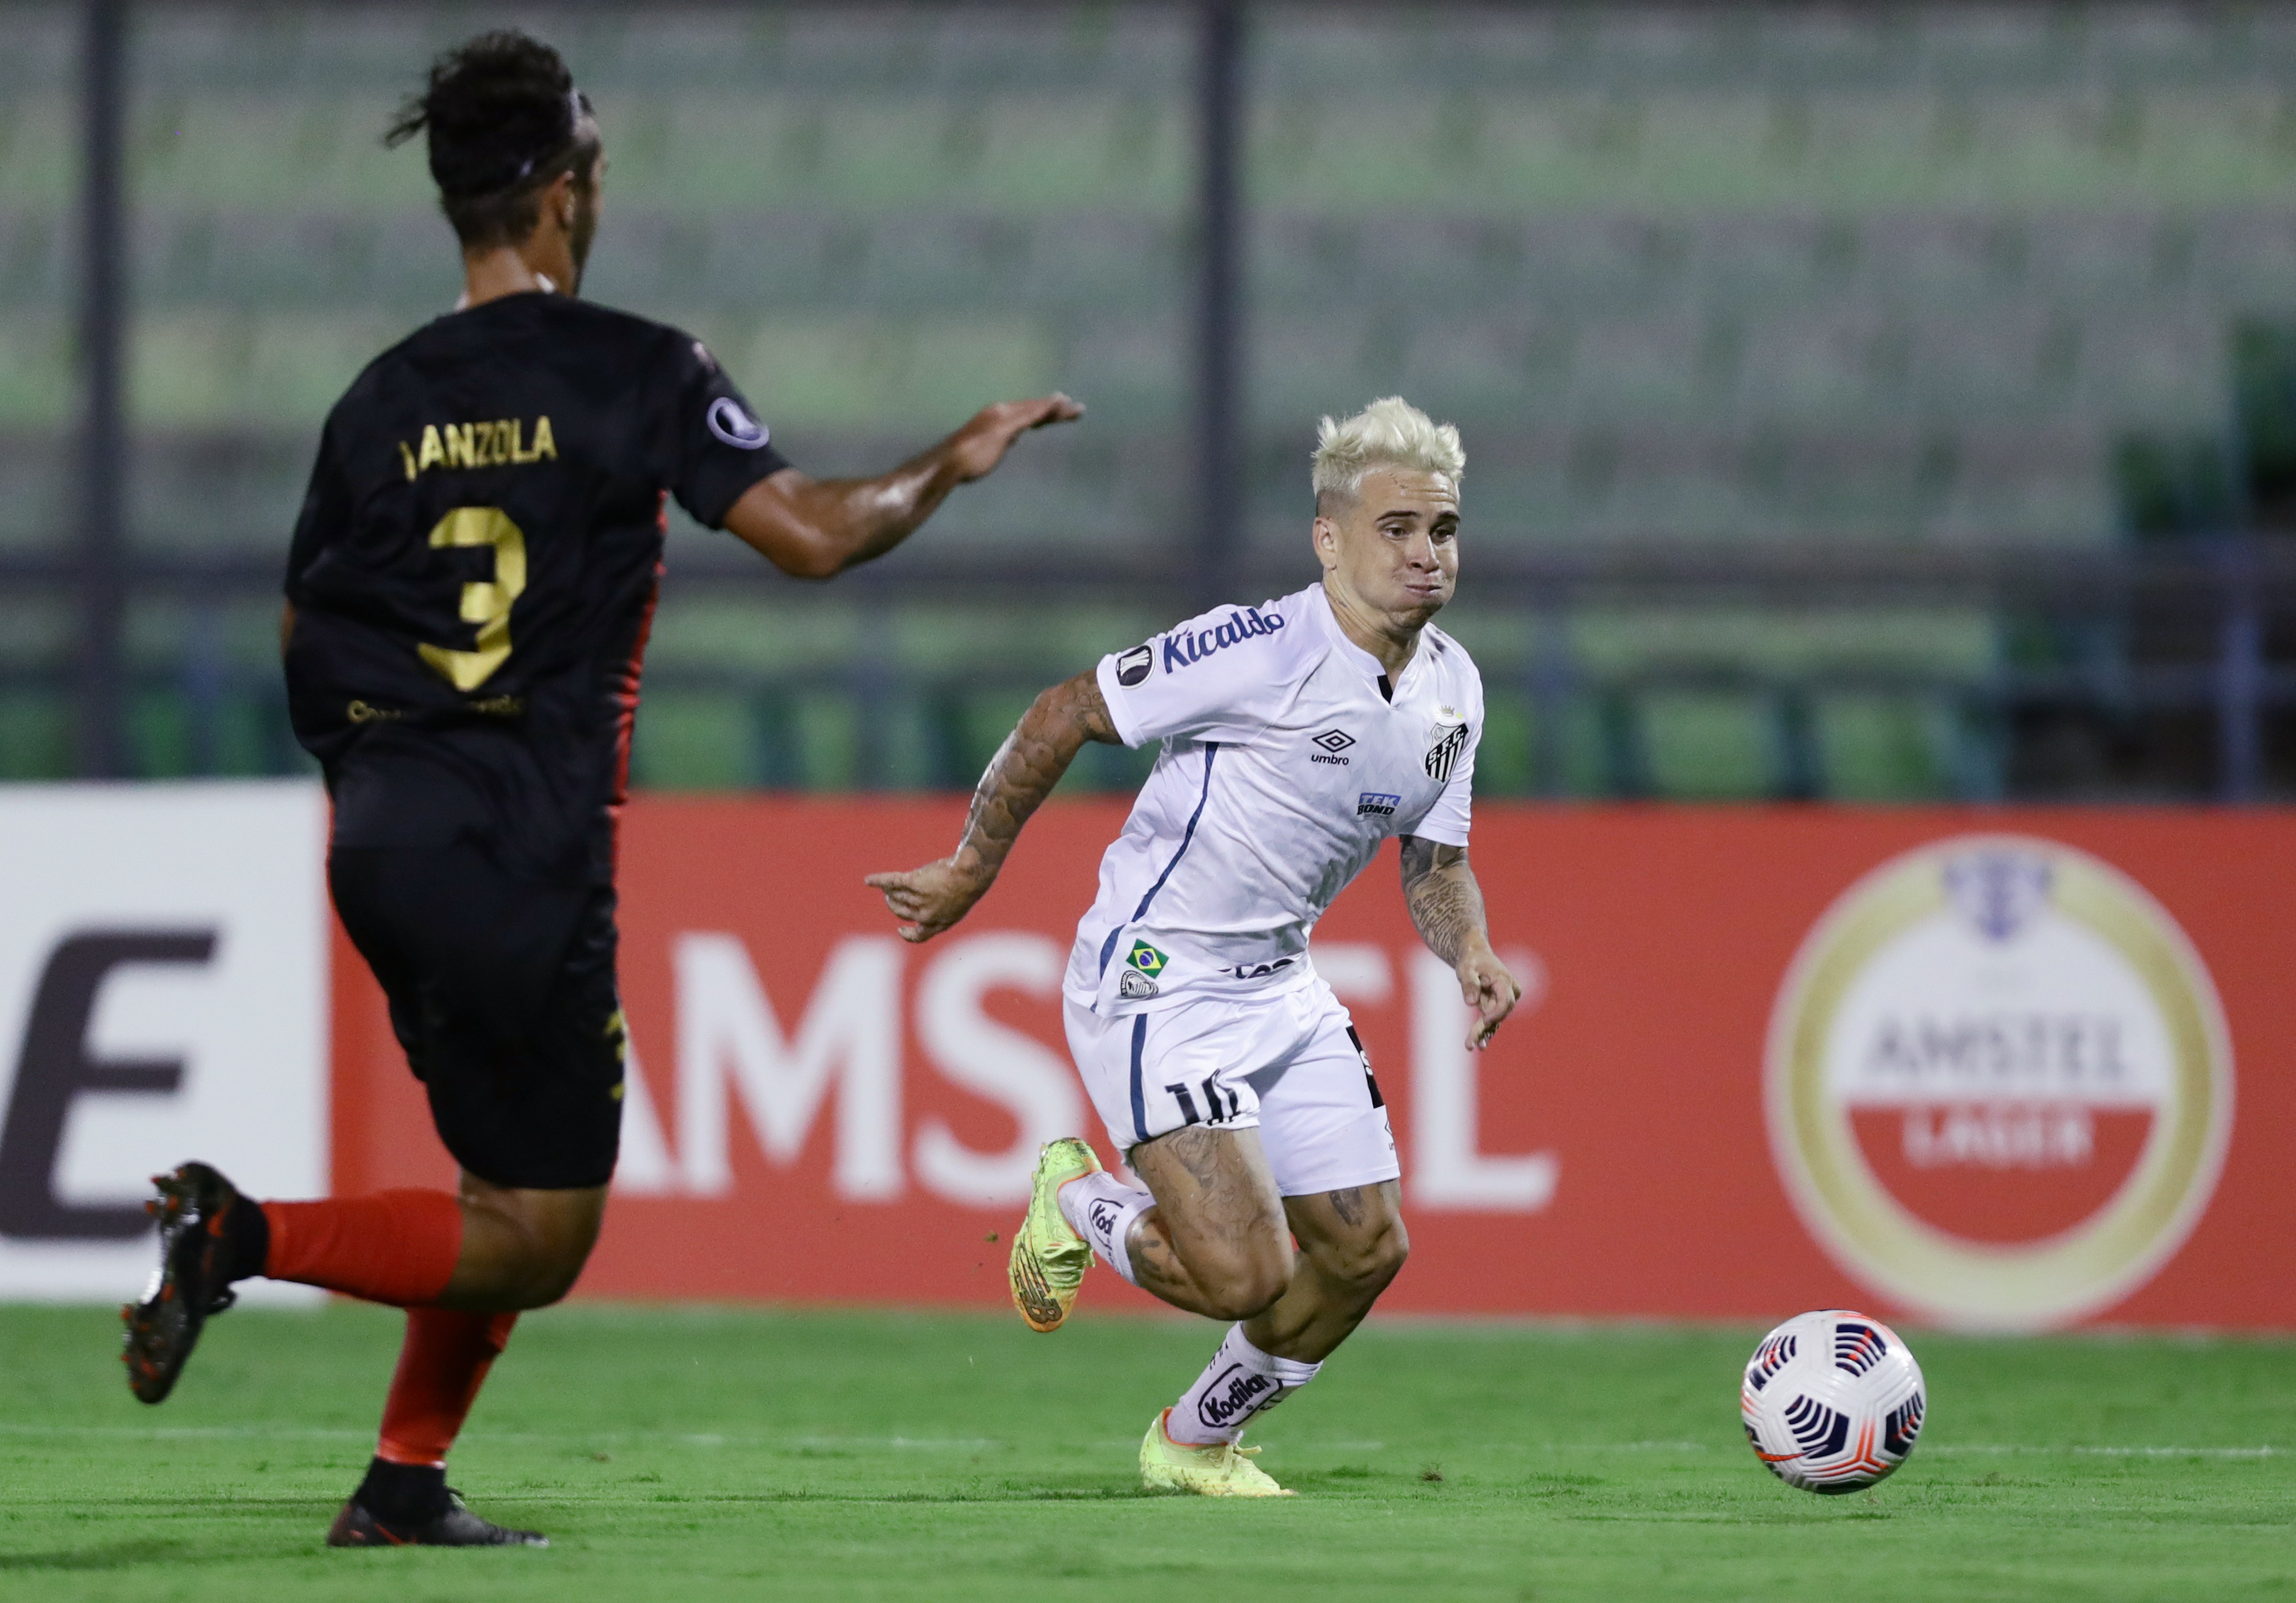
[(502, 992)]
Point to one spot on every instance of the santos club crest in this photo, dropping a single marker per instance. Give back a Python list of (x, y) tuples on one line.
[(2000, 1084), (1446, 739)]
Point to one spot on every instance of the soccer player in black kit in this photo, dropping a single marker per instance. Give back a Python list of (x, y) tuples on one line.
[(469, 590)]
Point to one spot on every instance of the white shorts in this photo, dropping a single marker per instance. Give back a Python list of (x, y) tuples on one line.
[(1290, 1063)]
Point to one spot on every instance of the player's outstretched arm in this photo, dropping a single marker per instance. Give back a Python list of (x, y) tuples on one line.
[(1019, 777), (816, 528), (1447, 905)]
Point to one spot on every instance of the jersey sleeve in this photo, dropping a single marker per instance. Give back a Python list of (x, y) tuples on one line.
[(1446, 822), (717, 446), (1213, 677)]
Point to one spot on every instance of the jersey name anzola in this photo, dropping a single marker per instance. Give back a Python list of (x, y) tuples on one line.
[(1283, 767)]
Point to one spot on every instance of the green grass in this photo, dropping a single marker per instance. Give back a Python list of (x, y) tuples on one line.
[(702, 1454)]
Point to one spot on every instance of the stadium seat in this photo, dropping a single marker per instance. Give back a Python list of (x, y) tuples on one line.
[(1728, 279)]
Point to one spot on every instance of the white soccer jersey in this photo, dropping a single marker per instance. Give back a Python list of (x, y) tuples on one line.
[(1284, 766)]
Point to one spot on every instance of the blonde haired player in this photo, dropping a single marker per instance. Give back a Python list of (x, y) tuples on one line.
[(1297, 736)]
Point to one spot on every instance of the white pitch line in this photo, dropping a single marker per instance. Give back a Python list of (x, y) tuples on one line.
[(289, 1433), (171, 1433), (928, 1443), (1998, 1450), (286, 1432)]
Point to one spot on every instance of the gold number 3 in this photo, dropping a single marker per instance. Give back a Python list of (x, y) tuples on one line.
[(485, 603)]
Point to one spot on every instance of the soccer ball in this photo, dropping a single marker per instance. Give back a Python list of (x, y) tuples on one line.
[(1832, 1400)]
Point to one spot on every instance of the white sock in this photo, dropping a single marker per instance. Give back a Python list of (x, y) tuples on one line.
[(1101, 1209), (1239, 1385)]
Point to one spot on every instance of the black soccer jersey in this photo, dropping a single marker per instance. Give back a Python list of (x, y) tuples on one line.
[(475, 568)]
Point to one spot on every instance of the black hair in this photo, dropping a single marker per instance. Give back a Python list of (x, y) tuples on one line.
[(505, 120)]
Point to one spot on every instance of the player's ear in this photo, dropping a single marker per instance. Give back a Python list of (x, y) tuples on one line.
[(1326, 541)]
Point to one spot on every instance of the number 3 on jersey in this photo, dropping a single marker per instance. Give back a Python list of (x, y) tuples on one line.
[(486, 603)]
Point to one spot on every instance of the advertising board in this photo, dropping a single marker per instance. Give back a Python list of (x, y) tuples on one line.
[(163, 994), (2007, 1070), (2013, 1069)]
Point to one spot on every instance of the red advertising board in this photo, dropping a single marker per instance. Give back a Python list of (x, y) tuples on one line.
[(2012, 1068)]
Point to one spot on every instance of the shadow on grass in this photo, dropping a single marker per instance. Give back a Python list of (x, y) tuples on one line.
[(1012, 1491), (112, 1555)]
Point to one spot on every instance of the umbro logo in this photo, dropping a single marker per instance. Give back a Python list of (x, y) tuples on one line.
[(1333, 742)]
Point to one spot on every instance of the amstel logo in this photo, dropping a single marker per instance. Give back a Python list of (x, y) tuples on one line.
[(1999, 1085)]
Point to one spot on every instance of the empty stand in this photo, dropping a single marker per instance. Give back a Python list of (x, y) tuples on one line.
[(1934, 279)]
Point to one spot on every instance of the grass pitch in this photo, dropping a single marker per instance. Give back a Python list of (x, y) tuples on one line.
[(693, 1454)]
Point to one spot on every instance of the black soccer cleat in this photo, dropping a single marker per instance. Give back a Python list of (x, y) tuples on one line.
[(191, 1283), (453, 1526)]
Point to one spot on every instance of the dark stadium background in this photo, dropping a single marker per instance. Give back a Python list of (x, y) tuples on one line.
[(1862, 403)]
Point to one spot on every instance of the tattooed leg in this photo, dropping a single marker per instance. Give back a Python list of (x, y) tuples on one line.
[(1216, 1242), (1351, 1245)]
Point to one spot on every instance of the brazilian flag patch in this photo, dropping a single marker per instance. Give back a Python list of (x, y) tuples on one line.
[(1146, 958)]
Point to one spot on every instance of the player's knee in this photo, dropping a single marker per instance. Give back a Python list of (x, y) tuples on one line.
[(1249, 1283), (551, 1274), (1246, 1302), (1370, 1265), (1388, 1257), (542, 1293), (545, 1240), (551, 1263)]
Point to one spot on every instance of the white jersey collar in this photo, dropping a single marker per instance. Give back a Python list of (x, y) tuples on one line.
[(1320, 604)]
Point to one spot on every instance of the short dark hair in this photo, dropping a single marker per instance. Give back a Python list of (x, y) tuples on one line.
[(505, 120)]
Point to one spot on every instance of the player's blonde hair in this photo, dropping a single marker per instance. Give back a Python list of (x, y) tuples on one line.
[(1390, 432)]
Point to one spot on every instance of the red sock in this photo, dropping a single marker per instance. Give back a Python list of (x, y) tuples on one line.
[(392, 1246), (440, 1369)]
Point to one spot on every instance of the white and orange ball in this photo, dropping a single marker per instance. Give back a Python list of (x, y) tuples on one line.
[(1832, 1400)]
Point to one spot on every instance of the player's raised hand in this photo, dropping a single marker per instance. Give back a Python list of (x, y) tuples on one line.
[(929, 899), (981, 443), (816, 528), (1490, 990)]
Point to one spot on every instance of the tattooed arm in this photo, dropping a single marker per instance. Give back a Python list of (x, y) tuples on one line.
[(1446, 906), (1019, 777)]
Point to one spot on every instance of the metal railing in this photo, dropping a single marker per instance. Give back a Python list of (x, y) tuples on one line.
[(2146, 635)]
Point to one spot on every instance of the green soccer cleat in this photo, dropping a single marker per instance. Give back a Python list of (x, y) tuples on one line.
[(1220, 1469), (1048, 1257)]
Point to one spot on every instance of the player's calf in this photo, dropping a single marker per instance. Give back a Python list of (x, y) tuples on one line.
[(1227, 1280), (494, 1249), (1362, 1260), (1352, 1245)]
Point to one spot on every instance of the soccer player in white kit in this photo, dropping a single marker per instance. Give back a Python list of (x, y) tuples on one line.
[(1297, 736)]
